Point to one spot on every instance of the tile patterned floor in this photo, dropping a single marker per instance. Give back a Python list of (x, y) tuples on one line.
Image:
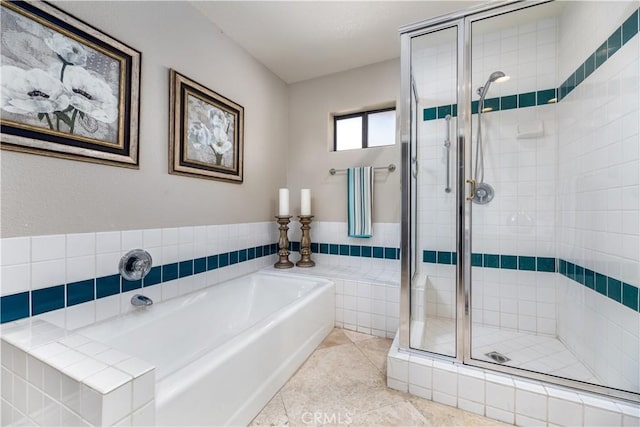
[(344, 383), (541, 353)]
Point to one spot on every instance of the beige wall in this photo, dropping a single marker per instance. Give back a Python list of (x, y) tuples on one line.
[(310, 141), (42, 195)]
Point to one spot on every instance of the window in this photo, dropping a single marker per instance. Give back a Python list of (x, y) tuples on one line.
[(366, 129)]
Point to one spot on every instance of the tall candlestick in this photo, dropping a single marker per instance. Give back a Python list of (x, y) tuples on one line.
[(305, 201), (283, 208)]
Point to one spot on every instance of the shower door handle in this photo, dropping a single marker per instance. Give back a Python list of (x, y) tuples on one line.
[(447, 147), (414, 167), (472, 189)]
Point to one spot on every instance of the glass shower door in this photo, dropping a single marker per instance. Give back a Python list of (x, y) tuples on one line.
[(550, 226), (434, 66)]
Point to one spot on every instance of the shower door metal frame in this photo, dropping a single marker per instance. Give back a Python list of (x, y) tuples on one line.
[(463, 20)]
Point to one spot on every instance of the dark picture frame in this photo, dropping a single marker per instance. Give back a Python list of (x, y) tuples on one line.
[(206, 132), (68, 89)]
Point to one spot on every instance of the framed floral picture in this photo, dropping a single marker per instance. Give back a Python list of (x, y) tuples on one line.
[(205, 132), (67, 89)]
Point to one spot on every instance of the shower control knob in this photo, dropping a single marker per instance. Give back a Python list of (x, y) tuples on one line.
[(483, 194), (135, 264)]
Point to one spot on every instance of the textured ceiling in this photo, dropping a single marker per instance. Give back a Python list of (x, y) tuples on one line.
[(300, 40)]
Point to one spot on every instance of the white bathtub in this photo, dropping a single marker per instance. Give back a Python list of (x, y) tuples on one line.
[(222, 353)]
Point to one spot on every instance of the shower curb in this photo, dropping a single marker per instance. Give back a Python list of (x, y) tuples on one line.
[(502, 397)]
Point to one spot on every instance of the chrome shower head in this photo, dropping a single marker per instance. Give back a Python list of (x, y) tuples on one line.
[(496, 76)]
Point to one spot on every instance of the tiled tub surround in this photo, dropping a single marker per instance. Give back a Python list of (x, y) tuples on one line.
[(55, 377), (42, 274), (367, 300), (52, 376), (366, 272), (503, 397), (227, 368)]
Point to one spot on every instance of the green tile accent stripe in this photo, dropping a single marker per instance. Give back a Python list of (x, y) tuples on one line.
[(361, 251), (511, 262), (606, 50), (508, 102), (614, 42), (624, 293), (18, 306)]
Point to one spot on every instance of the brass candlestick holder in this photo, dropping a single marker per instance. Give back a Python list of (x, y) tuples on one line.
[(305, 242), (283, 242)]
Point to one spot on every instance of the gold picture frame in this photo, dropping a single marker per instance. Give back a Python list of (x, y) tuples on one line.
[(206, 132), (68, 89)]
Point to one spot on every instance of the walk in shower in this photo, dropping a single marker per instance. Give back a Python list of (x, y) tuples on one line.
[(521, 208)]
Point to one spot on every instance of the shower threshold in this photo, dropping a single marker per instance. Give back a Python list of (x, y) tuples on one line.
[(539, 353)]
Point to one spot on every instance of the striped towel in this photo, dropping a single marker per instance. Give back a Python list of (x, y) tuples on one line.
[(360, 201)]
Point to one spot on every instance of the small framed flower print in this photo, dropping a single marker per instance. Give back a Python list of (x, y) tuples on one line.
[(67, 89), (205, 132)]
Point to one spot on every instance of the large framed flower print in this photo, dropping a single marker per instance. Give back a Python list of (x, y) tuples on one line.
[(205, 132), (67, 89)]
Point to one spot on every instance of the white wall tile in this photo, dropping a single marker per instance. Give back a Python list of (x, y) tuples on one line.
[(107, 307), (44, 248), (20, 394), (15, 250), (564, 412), (152, 238), (15, 279), (445, 379), (143, 389), (6, 387), (35, 372), (107, 263), (116, 404), (145, 416), (80, 268), (91, 405), (471, 406), (48, 273), (84, 368), (471, 389), (71, 395), (6, 412), (35, 402), (108, 241), (81, 244), (169, 236), (131, 239)]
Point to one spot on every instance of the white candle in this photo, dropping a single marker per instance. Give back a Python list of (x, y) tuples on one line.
[(305, 201), (283, 208)]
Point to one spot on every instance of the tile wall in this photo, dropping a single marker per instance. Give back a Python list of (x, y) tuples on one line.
[(43, 274), (366, 273), (434, 61), (584, 176), (502, 397), (598, 190), (52, 377), (514, 223)]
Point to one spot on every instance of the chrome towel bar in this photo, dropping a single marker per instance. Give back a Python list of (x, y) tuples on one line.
[(390, 168)]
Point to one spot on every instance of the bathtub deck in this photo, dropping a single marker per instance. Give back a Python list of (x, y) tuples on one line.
[(344, 382)]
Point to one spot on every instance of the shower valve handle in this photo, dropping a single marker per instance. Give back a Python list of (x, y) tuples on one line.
[(473, 189)]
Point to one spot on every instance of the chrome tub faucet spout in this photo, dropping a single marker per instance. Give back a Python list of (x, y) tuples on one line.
[(140, 300)]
